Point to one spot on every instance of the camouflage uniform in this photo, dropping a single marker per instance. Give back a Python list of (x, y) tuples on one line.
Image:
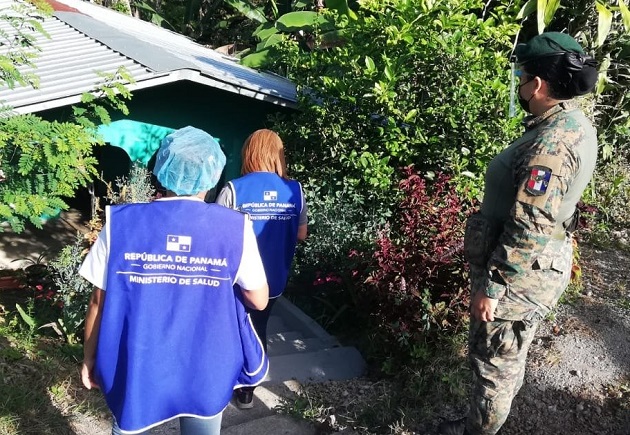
[(532, 188)]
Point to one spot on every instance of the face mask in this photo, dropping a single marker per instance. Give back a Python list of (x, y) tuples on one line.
[(522, 101)]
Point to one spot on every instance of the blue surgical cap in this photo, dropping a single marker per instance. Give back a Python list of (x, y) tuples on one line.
[(189, 161)]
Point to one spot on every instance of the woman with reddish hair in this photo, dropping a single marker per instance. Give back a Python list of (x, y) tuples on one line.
[(277, 209)]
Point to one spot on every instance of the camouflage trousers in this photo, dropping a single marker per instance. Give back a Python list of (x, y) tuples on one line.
[(497, 352)]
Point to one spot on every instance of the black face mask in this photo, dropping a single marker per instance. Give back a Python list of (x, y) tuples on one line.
[(522, 101)]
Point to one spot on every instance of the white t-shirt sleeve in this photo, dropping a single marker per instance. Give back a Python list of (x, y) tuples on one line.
[(251, 273), (94, 267)]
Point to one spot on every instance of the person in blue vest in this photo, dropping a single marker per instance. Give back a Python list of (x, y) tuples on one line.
[(167, 334), (277, 207)]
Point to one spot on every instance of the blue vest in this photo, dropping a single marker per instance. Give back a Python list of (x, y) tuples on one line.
[(175, 339), (274, 205)]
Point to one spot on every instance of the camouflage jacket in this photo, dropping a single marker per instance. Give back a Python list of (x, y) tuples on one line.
[(532, 188)]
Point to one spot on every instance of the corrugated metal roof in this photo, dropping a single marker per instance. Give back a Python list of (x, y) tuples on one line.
[(86, 38)]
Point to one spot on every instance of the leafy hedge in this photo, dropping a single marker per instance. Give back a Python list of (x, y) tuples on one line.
[(410, 83)]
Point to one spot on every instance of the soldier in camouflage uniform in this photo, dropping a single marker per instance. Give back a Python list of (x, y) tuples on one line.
[(519, 247)]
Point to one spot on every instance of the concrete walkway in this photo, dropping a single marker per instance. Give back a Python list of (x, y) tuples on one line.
[(299, 349)]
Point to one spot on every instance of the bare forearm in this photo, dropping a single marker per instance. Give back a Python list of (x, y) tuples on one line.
[(302, 232), (93, 324)]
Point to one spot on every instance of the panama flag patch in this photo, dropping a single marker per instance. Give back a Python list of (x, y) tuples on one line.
[(538, 180), (270, 195), (178, 243)]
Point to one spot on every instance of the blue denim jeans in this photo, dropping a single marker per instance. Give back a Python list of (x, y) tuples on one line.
[(188, 426)]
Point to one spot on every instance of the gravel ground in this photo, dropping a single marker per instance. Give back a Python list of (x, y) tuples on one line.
[(577, 379)]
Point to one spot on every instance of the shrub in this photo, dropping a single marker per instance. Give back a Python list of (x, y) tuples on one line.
[(322, 283), (72, 291), (606, 207), (423, 83), (416, 282)]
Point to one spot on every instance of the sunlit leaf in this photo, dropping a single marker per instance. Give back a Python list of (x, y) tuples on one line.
[(27, 319), (248, 10), (369, 63), (625, 15), (303, 20), (527, 10), (342, 7), (257, 59), (602, 79), (271, 41), (604, 22), (550, 10), (541, 6), (265, 30), (411, 115)]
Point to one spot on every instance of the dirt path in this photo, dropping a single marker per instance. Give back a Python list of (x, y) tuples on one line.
[(578, 373)]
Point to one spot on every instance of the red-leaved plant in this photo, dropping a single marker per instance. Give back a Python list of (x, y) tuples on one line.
[(417, 283)]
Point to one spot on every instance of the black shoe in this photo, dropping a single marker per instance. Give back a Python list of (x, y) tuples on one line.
[(244, 399), (455, 427)]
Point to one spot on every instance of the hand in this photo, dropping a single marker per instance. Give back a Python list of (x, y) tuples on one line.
[(482, 307), (86, 374)]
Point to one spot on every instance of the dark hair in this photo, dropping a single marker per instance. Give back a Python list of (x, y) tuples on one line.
[(568, 74)]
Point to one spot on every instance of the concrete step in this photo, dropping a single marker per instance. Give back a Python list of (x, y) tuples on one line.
[(283, 337), (295, 319), (276, 324), (329, 364), (271, 425), (297, 345)]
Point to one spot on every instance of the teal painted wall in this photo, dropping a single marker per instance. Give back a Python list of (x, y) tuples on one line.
[(225, 115)]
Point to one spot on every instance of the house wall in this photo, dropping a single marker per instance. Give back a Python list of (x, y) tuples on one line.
[(225, 115)]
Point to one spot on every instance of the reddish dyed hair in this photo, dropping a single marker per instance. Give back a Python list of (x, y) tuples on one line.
[(263, 151)]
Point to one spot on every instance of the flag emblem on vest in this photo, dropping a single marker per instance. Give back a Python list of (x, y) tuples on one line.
[(178, 243), (270, 195), (538, 180)]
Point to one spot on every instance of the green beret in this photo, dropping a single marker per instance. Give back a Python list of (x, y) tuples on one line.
[(547, 44)]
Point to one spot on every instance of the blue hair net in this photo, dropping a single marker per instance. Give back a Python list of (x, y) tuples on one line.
[(189, 161)]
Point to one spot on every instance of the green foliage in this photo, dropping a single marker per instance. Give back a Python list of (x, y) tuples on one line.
[(607, 202), (44, 161), (135, 188), (322, 282), (22, 26), (40, 161), (108, 95), (421, 83), (27, 318), (404, 105), (299, 24), (72, 290)]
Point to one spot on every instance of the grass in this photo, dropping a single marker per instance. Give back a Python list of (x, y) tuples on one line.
[(40, 389)]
